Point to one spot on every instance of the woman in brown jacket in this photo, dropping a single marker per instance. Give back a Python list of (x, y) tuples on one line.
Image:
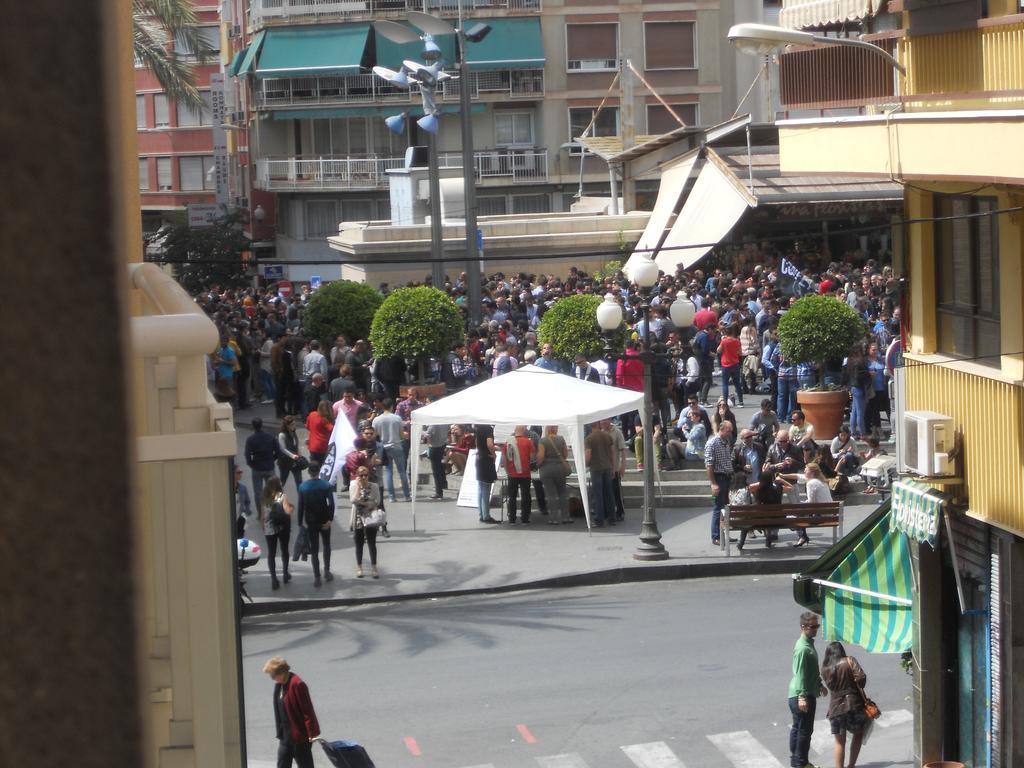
[(845, 680)]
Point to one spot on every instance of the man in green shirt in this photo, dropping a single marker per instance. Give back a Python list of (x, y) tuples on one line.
[(804, 689)]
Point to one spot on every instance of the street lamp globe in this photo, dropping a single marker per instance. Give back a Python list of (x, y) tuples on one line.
[(644, 271), (682, 312), (609, 313)]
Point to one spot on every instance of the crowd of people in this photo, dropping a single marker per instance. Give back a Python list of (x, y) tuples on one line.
[(266, 356)]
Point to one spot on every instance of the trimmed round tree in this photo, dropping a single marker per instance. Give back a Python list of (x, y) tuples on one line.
[(341, 307), (416, 323), (820, 328), (570, 326)]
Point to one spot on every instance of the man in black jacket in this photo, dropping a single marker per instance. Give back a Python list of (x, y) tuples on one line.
[(261, 452), (316, 512)]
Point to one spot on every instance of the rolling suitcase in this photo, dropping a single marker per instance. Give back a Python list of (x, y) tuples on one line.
[(346, 754)]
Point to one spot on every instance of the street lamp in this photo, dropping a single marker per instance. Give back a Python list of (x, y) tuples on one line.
[(644, 272), (432, 26), (762, 39)]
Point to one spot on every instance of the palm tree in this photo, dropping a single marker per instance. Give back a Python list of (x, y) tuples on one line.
[(155, 23)]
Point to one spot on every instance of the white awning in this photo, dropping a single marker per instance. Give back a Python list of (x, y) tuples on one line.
[(712, 209), (673, 181), (798, 14)]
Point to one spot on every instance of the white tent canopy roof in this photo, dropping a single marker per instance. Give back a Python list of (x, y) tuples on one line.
[(529, 396)]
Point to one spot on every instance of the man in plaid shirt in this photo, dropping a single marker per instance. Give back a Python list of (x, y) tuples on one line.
[(718, 460)]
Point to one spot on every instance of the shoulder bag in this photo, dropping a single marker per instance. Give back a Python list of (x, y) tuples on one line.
[(870, 708), (375, 519)]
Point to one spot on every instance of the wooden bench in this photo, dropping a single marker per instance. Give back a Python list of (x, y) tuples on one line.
[(744, 517)]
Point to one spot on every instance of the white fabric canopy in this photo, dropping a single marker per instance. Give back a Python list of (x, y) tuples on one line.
[(528, 396), (712, 208), (673, 181), (798, 14)]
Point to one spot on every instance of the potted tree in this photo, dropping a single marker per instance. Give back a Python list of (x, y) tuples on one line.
[(341, 307), (819, 329), (571, 328), (417, 324)]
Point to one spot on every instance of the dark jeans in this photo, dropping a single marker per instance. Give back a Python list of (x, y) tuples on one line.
[(281, 393), (369, 536), (259, 477), (620, 509), (281, 539), (437, 469), (302, 754), (542, 498), (604, 498), (800, 732), (284, 472), (721, 501), (314, 549), (707, 376), (731, 375), (517, 486)]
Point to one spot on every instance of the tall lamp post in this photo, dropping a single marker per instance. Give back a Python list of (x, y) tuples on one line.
[(427, 78), (609, 317)]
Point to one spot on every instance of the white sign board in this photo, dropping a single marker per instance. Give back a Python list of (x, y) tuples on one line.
[(469, 491), (204, 214), (218, 110)]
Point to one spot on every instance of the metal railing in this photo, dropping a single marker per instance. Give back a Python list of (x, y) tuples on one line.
[(263, 12), (836, 77), (324, 173), (369, 89), (517, 166)]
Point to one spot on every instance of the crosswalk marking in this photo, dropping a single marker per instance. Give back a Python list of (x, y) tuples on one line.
[(895, 717), (570, 760), (743, 750), (653, 755)]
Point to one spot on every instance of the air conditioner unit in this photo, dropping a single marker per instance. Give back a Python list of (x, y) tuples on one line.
[(927, 437)]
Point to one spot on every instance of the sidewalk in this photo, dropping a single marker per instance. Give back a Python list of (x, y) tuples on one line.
[(451, 553)]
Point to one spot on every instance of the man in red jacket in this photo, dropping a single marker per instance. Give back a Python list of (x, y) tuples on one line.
[(294, 717), (629, 374)]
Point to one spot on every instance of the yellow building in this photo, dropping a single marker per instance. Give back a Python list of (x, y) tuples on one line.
[(952, 132)]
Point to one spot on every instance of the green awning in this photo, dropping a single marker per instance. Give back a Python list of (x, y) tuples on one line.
[(863, 587), (248, 62), (511, 44), (391, 55), (343, 112), (236, 61), (326, 49)]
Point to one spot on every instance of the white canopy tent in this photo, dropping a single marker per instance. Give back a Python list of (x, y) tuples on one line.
[(528, 396)]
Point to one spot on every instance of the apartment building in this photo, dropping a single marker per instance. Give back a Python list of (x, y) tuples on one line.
[(176, 143), (947, 127), (315, 112)]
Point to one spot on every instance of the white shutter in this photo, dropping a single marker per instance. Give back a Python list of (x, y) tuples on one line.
[(190, 173)]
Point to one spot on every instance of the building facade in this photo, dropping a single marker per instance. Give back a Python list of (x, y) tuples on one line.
[(949, 130), (315, 112)]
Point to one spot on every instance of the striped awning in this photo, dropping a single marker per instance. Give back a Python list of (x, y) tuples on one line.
[(799, 14), (916, 511)]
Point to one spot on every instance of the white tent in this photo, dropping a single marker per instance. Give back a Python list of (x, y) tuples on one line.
[(528, 396)]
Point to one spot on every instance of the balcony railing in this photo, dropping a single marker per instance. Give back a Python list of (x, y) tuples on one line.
[(324, 173), (516, 166), (968, 63), (263, 12), (836, 77), (500, 84)]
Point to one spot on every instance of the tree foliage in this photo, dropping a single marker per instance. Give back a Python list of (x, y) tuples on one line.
[(155, 24), (819, 328), (341, 307), (415, 323), (610, 269), (207, 256), (570, 326)]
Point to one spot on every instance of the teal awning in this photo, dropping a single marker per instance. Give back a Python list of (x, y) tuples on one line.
[(326, 49), (236, 61), (511, 44), (391, 55), (248, 62), (343, 112), (863, 587)]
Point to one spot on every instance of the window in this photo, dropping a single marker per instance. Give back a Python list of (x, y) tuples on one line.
[(493, 205), (513, 128), (540, 203), (140, 111), (163, 174), (195, 173), (188, 118), (209, 35), (321, 218), (144, 174), (354, 210), (606, 124), (670, 45), (967, 278), (659, 120), (591, 47), (160, 111)]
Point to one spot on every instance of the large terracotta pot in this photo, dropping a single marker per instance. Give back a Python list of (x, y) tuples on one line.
[(824, 410)]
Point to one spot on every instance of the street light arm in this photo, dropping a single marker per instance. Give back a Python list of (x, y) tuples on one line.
[(761, 39), (821, 41)]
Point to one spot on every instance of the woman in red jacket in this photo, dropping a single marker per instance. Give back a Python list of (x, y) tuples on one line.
[(320, 424), (294, 716)]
